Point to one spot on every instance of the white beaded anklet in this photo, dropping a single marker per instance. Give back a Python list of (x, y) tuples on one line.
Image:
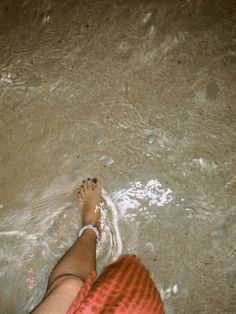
[(90, 226)]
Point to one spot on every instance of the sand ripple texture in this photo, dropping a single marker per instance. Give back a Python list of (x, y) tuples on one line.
[(142, 95)]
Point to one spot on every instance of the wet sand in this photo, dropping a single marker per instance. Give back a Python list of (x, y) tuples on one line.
[(142, 95)]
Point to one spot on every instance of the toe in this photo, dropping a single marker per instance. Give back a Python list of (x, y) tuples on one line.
[(82, 193), (97, 183), (79, 195), (80, 189), (89, 184), (84, 186)]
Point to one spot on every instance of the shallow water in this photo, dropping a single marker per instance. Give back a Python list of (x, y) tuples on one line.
[(140, 94)]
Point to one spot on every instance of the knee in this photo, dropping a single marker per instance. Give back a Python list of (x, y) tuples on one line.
[(67, 284), (70, 284)]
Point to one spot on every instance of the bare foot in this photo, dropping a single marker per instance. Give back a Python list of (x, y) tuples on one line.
[(90, 195)]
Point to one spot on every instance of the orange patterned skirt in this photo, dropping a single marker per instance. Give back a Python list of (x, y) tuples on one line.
[(125, 286)]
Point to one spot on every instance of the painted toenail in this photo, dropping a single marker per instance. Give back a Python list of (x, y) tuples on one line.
[(94, 180), (83, 181), (88, 178)]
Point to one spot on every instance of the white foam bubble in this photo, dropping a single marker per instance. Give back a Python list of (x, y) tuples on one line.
[(110, 246), (133, 196)]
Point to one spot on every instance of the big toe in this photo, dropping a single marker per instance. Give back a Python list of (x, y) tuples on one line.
[(96, 183)]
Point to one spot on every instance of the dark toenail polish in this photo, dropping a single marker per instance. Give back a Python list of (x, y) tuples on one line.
[(83, 181), (88, 178), (81, 186), (94, 180)]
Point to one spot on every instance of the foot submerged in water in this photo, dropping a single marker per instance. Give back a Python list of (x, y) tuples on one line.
[(105, 217), (90, 196)]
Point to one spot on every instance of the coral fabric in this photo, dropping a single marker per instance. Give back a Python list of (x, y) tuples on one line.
[(124, 287)]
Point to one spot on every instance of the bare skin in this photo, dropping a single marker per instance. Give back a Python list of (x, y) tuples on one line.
[(70, 272), (90, 196)]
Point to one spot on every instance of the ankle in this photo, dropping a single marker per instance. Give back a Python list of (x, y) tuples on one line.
[(90, 233)]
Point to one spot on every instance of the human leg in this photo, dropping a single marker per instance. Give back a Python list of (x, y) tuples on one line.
[(73, 268)]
